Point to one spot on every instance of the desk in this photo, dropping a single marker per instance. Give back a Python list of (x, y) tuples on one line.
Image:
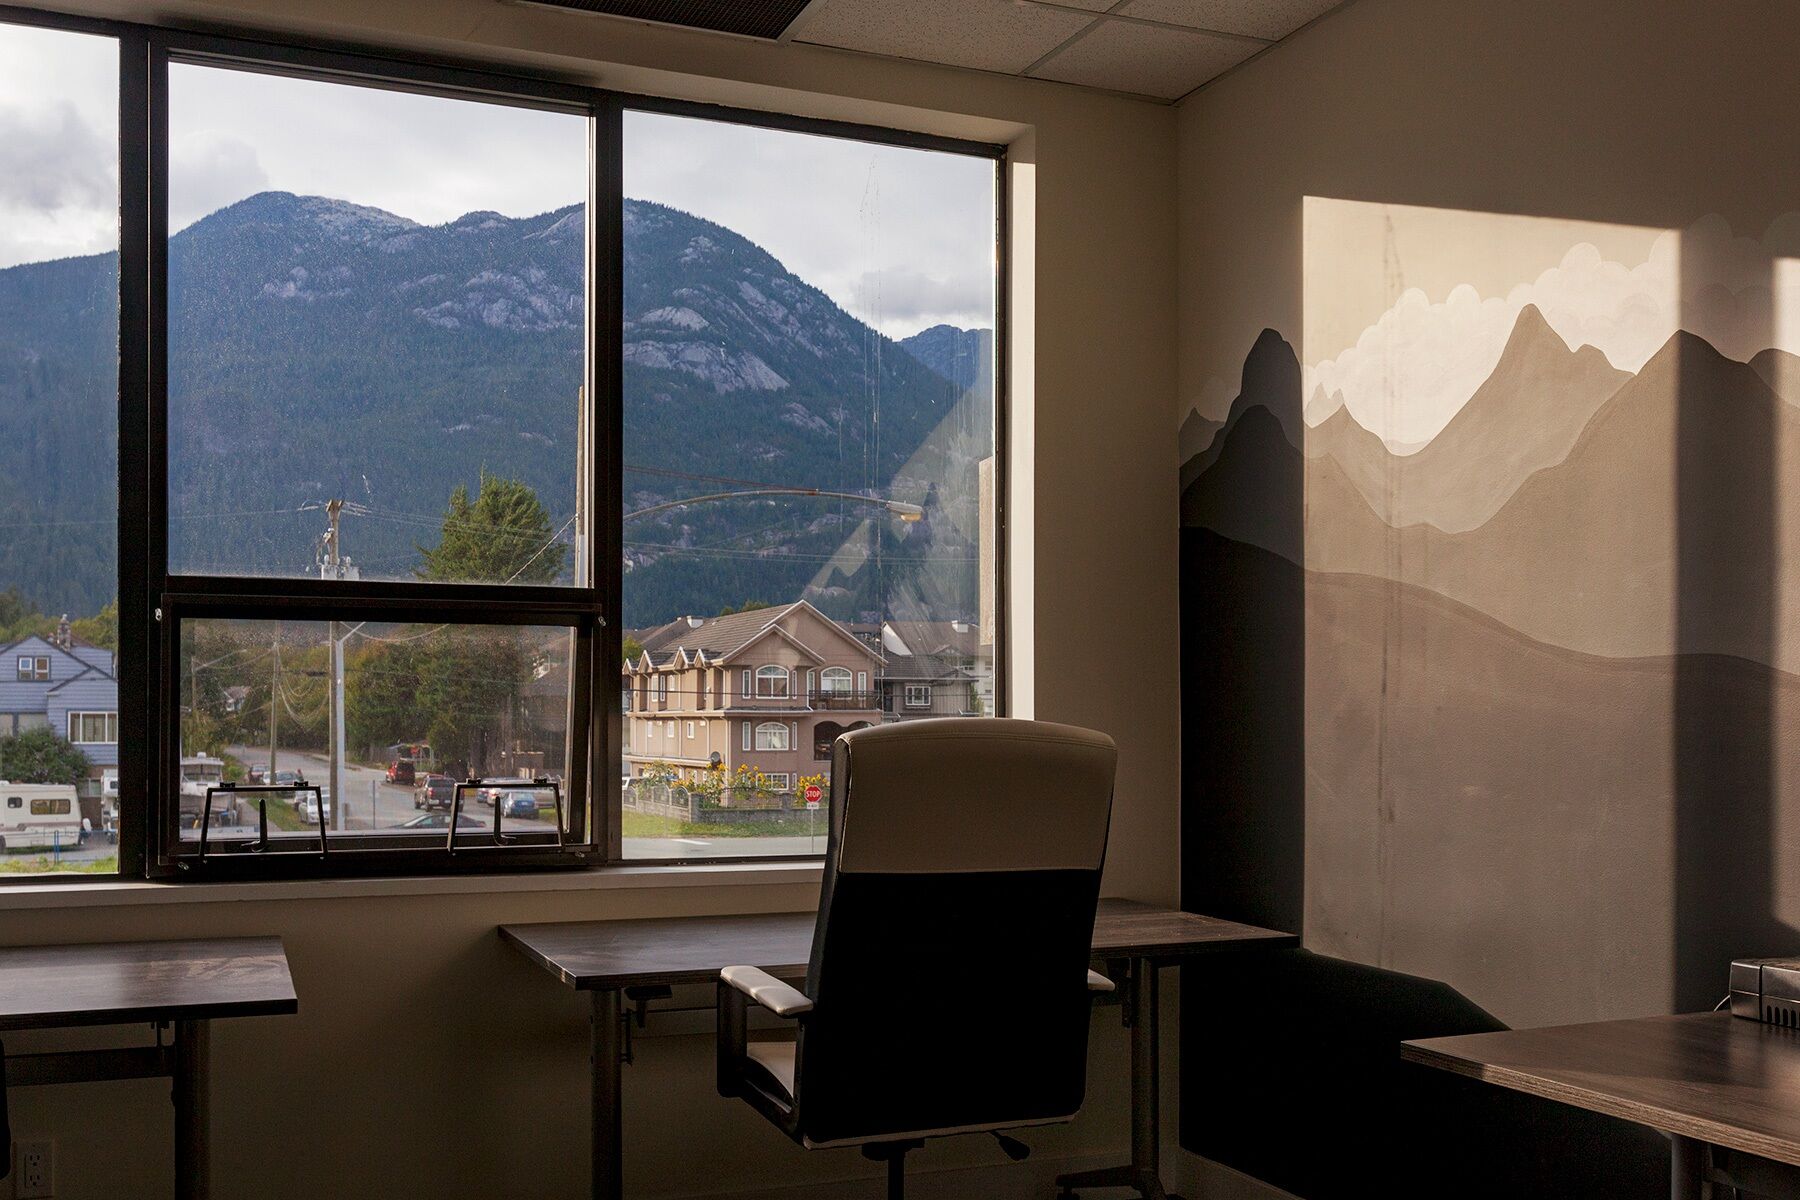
[(1709, 1080), (607, 957), (184, 983)]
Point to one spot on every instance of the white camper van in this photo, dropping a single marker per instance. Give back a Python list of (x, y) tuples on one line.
[(37, 816)]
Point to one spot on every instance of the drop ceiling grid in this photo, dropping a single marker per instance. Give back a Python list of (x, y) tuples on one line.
[(1160, 49)]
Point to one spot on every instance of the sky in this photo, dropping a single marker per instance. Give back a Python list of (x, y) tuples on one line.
[(901, 238)]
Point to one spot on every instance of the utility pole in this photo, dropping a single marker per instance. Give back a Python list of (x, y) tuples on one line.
[(334, 569), (274, 698)]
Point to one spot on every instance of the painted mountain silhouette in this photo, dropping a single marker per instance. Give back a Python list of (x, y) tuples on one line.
[(1525, 417), (1670, 498)]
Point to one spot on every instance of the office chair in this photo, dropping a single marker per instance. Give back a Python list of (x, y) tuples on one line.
[(948, 989)]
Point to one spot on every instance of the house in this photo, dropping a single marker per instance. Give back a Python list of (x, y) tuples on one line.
[(929, 657), (68, 685), (770, 688)]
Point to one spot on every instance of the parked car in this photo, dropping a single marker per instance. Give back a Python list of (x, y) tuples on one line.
[(440, 820), (402, 770), (434, 791), (286, 778), (519, 804), (255, 773), (307, 805)]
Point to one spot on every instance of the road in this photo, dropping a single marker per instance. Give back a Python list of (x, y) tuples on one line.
[(371, 802)]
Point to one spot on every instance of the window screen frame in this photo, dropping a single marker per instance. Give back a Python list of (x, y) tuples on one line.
[(153, 602)]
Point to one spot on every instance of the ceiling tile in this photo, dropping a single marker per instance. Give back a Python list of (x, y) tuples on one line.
[(990, 35), (1150, 61), (1272, 19)]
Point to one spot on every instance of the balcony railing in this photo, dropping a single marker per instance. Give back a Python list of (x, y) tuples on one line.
[(845, 701)]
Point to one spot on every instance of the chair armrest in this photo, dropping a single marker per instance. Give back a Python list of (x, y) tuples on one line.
[(1100, 984), (779, 998)]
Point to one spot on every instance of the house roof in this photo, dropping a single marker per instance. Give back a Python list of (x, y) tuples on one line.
[(923, 668), (34, 645), (718, 638), (938, 637)]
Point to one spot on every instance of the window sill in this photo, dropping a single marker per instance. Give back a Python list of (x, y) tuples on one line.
[(103, 893)]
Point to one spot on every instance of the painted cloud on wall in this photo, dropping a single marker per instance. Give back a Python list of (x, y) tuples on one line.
[(1413, 370)]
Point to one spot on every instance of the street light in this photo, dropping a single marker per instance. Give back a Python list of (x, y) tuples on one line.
[(900, 508)]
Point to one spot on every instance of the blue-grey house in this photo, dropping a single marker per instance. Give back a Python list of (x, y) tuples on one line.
[(68, 685)]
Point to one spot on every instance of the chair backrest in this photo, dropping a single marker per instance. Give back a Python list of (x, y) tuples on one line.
[(948, 968)]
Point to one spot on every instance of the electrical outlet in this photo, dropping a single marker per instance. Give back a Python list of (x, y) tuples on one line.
[(34, 1169)]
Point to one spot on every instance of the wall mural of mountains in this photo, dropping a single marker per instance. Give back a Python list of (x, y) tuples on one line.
[(1513, 708), (323, 349)]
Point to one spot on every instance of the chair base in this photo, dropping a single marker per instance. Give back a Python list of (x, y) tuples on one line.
[(894, 1155), (1145, 1183)]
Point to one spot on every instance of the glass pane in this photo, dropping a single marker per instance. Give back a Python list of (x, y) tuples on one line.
[(417, 709), (59, 324), (809, 467), (376, 332)]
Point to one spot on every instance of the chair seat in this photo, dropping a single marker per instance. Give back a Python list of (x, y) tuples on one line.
[(776, 1061)]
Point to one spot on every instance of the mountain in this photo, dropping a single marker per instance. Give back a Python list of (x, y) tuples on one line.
[(963, 356), (319, 348)]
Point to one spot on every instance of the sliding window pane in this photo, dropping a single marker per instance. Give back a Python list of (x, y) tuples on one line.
[(422, 707), (377, 311), (59, 320), (809, 433)]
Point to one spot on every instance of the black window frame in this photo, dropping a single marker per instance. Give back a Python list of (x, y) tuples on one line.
[(153, 602)]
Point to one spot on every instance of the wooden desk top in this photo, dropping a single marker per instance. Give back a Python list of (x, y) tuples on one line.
[(117, 983), (610, 954), (1711, 1076)]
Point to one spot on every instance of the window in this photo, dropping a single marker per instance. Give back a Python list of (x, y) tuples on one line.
[(430, 415), (780, 781), (690, 730), (15, 802), (377, 366), (772, 735), (58, 807), (785, 292), (93, 728), (918, 695), (59, 351), (772, 681)]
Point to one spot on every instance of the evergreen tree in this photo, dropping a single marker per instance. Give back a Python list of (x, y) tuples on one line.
[(502, 536), (41, 756)]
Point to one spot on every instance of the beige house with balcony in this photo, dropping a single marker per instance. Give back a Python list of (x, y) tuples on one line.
[(771, 688)]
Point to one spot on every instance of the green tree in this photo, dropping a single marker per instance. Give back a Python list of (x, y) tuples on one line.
[(101, 629), (41, 756), (746, 606), (502, 536), (633, 650)]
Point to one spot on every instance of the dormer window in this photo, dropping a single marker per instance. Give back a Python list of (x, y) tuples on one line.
[(34, 668)]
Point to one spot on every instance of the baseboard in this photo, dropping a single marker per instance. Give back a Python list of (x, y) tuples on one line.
[(1032, 1179)]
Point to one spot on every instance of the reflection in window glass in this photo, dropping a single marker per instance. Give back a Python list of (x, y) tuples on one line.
[(376, 331), (423, 707), (59, 315), (809, 465)]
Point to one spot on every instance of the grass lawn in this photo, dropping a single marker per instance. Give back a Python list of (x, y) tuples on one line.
[(776, 825), (40, 864)]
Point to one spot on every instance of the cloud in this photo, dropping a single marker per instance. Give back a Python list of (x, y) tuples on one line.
[(58, 184), (1413, 370), (51, 158), (899, 297), (208, 171)]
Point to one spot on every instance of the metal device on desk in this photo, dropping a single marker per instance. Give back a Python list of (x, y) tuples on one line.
[(1766, 989)]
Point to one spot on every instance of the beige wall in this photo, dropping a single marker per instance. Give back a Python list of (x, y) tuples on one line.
[(1519, 778), (439, 1065)]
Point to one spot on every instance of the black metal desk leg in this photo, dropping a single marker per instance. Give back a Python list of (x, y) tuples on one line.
[(609, 1141), (193, 1110), (1687, 1168), (1146, 1132)]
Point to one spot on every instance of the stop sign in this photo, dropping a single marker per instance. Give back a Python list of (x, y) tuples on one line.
[(813, 794)]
